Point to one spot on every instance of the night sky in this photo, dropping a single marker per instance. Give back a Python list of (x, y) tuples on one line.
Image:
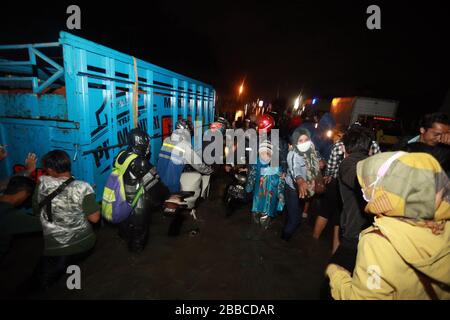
[(322, 47)]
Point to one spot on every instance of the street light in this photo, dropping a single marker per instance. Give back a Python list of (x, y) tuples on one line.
[(241, 89), (297, 103)]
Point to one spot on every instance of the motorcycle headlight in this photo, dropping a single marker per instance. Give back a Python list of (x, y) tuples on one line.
[(329, 133), (226, 151)]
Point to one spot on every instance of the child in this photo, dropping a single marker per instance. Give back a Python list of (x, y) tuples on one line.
[(267, 185)]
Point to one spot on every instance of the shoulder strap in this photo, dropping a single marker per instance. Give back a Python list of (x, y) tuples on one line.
[(124, 166), (137, 196), (48, 200)]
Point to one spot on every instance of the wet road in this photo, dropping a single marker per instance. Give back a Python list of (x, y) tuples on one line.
[(229, 259)]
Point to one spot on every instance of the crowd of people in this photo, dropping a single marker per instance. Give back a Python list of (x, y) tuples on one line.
[(388, 210)]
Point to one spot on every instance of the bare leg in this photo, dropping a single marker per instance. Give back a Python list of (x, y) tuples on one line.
[(320, 224), (305, 209), (336, 241)]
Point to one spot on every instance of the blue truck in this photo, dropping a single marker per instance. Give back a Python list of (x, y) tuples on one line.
[(81, 97)]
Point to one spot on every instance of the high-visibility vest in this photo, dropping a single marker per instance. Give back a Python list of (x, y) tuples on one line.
[(170, 165)]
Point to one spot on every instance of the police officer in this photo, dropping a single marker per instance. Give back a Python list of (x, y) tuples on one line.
[(140, 172)]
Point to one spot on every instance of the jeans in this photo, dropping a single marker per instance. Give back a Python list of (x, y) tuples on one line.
[(294, 209)]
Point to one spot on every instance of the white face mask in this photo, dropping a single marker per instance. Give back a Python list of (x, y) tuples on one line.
[(303, 147)]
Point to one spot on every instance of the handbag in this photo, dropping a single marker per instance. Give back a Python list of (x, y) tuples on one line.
[(319, 184)]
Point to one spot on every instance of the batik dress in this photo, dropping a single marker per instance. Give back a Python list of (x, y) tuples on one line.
[(267, 186)]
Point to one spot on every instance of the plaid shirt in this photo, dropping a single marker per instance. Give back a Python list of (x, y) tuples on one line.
[(374, 148), (337, 155)]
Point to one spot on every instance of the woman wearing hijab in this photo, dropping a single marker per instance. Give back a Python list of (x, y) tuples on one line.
[(267, 186), (406, 253), (303, 167)]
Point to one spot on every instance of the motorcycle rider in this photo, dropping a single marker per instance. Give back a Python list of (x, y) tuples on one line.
[(135, 228), (220, 126), (175, 153)]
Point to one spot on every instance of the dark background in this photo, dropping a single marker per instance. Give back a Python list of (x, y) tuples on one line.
[(279, 47)]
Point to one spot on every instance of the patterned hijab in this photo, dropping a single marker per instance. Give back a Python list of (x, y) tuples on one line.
[(408, 185), (310, 156)]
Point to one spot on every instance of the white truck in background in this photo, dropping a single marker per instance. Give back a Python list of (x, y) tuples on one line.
[(378, 115), (351, 109)]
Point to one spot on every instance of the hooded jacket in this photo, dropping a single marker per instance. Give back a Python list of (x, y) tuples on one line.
[(400, 257), (386, 264)]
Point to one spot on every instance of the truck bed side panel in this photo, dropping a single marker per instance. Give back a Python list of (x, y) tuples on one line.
[(97, 109)]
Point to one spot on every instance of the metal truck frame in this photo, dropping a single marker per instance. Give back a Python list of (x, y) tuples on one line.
[(85, 106)]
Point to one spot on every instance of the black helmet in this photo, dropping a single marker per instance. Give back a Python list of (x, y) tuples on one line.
[(139, 142), (224, 122)]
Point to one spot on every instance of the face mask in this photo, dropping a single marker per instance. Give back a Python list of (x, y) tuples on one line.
[(303, 147), (263, 161)]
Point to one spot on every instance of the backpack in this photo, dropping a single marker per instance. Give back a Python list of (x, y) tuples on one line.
[(115, 207)]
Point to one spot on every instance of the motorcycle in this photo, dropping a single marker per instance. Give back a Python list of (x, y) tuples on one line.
[(194, 187), (176, 202), (235, 194)]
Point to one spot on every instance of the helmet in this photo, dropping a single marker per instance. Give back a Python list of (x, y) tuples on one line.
[(183, 124), (139, 142), (224, 122), (220, 124), (217, 126), (265, 123)]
